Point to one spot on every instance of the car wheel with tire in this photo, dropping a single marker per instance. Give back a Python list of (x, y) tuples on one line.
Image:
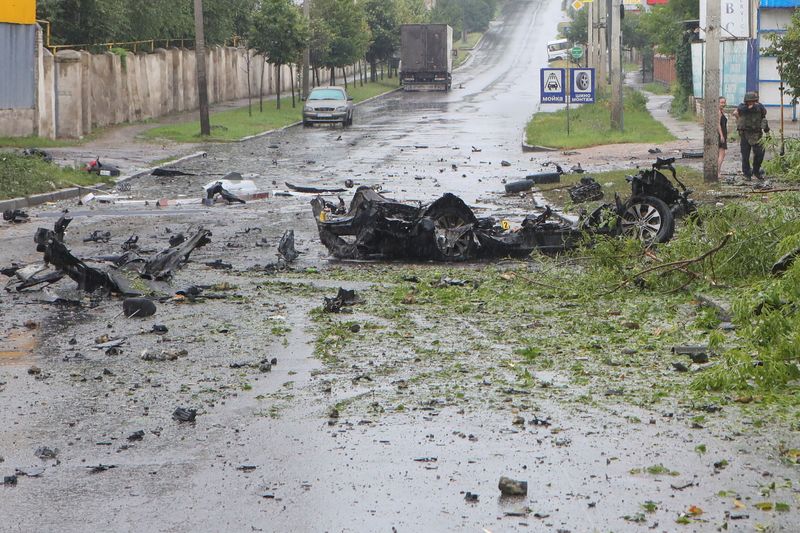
[(648, 219), (453, 235)]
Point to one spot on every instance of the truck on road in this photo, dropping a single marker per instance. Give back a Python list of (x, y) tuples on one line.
[(426, 61)]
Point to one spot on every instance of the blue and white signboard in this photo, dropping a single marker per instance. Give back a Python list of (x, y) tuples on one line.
[(552, 88), (581, 87)]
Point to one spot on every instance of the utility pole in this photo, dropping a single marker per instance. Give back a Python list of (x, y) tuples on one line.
[(600, 21), (711, 94), (200, 53), (306, 53), (616, 65), (590, 46)]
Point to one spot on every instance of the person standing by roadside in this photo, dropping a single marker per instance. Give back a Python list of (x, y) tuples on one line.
[(751, 123), (723, 135)]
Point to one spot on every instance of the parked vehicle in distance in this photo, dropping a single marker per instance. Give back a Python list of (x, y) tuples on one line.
[(426, 60), (558, 49), (326, 105)]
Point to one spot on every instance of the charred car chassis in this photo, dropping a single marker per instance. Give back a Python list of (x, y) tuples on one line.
[(447, 229)]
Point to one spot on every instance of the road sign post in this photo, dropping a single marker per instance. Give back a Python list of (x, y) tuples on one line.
[(552, 89), (582, 85)]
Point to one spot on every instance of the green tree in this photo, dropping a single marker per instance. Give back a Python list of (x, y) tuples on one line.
[(786, 49), (347, 33), (279, 32), (412, 11), (383, 18), (578, 29), (464, 15)]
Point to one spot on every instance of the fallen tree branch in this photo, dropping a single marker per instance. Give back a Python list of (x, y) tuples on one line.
[(673, 265)]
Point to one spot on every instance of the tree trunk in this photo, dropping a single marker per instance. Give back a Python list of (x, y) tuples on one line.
[(360, 73), (261, 90), (332, 80), (344, 75), (373, 71), (316, 77), (248, 63), (291, 78), (278, 85)]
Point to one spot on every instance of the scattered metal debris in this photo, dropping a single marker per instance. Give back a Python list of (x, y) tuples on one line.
[(512, 487), (182, 414), (138, 307), (343, 298), (161, 265), (98, 236), (16, 216), (101, 169), (286, 250), (314, 190), (588, 190)]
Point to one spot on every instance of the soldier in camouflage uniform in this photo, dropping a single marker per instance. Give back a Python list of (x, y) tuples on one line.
[(751, 122)]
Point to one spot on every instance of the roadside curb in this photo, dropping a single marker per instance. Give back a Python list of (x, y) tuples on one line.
[(534, 148), (75, 192)]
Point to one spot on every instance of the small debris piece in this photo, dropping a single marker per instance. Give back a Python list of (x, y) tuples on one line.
[(98, 236), (219, 264), (138, 307), (471, 497), (587, 191), (161, 265), (217, 188), (34, 371), (654, 150), (159, 328), (96, 469), (286, 248), (169, 172), (182, 414), (682, 485), (15, 216), (246, 468), (348, 183), (315, 190), (10, 480), (136, 435), (698, 354), (512, 487), (38, 152), (524, 511), (692, 154), (343, 298), (680, 367), (505, 163), (43, 452), (30, 471)]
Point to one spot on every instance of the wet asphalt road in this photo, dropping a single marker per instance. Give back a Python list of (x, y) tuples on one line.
[(358, 475)]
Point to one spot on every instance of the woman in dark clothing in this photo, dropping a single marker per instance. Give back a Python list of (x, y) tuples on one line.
[(723, 135)]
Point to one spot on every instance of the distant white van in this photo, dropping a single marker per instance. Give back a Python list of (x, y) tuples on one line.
[(558, 49)]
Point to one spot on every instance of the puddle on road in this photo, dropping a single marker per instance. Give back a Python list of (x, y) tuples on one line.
[(16, 346)]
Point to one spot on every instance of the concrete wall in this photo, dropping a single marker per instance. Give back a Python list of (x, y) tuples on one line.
[(79, 91)]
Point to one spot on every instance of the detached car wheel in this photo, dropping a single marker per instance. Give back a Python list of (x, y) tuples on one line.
[(453, 235), (648, 219)]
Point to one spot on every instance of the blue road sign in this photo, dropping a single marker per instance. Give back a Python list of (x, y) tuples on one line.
[(581, 87), (552, 89)]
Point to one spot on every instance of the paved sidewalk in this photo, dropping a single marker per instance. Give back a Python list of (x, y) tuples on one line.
[(658, 105)]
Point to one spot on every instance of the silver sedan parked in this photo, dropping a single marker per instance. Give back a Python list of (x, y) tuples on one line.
[(328, 105)]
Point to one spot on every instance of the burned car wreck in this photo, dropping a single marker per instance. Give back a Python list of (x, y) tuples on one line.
[(448, 230)]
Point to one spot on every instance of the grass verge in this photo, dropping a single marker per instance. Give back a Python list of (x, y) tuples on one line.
[(237, 123), (23, 176), (465, 48), (590, 125)]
